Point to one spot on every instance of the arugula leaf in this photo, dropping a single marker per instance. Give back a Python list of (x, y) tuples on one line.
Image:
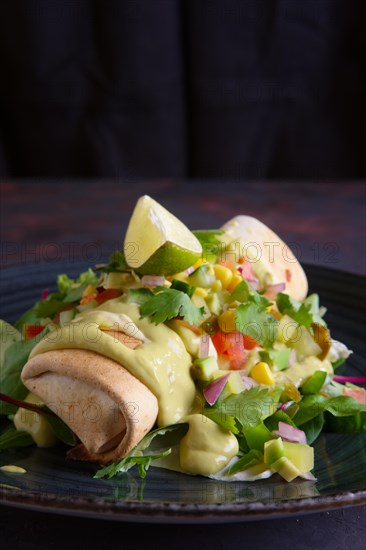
[(169, 303), (8, 335), (62, 431), (154, 445), (15, 358), (65, 284), (12, 438), (313, 427), (256, 323), (312, 405), (69, 291), (298, 312), (279, 416)]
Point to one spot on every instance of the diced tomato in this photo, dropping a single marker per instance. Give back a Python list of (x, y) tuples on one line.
[(30, 331), (249, 342), (357, 393), (231, 345), (108, 294)]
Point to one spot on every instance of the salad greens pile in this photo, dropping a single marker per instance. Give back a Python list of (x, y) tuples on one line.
[(263, 362)]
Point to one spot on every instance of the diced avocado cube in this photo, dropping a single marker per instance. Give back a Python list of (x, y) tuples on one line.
[(287, 328), (300, 454), (304, 344), (204, 368), (203, 276), (235, 383), (285, 468), (213, 303), (273, 450)]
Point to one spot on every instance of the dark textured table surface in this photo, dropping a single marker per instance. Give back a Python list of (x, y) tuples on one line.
[(325, 223)]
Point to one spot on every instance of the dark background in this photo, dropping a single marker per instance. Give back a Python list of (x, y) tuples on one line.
[(183, 88)]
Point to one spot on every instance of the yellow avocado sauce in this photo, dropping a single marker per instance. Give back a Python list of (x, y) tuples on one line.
[(163, 364)]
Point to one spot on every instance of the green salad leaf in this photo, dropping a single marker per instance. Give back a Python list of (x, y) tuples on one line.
[(14, 360), (168, 303), (12, 438), (156, 444)]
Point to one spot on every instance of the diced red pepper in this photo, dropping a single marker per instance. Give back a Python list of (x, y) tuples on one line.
[(30, 331), (108, 294), (231, 345), (357, 393)]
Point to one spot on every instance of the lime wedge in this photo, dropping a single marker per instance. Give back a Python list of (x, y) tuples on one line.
[(157, 243)]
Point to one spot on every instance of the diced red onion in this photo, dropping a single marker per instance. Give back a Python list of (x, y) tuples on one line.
[(248, 382), (290, 433), (152, 280), (204, 346), (285, 406), (352, 379), (273, 290), (292, 358), (213, 390), (190, 270), (254, 282), (308, 476), (44, 294)]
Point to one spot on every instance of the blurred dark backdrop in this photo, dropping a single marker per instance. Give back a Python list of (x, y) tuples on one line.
[(183, 88)]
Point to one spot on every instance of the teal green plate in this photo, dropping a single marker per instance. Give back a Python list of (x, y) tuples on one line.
[(55, 485)]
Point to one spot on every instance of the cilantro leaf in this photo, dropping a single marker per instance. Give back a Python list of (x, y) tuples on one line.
[(139, 295), (301, 313), (244, 292), (242, 410), (169, 303), (256, 323)]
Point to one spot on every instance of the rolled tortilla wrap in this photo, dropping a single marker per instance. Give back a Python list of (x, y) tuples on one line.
[(107, 407)]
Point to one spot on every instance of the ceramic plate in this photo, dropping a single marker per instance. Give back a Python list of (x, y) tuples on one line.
[(52, 484)]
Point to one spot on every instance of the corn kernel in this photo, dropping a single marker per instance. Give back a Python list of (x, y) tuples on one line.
[(223, 274), (262, 374), (201, 292), (226, 321), (216, 286), (234, 282)]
